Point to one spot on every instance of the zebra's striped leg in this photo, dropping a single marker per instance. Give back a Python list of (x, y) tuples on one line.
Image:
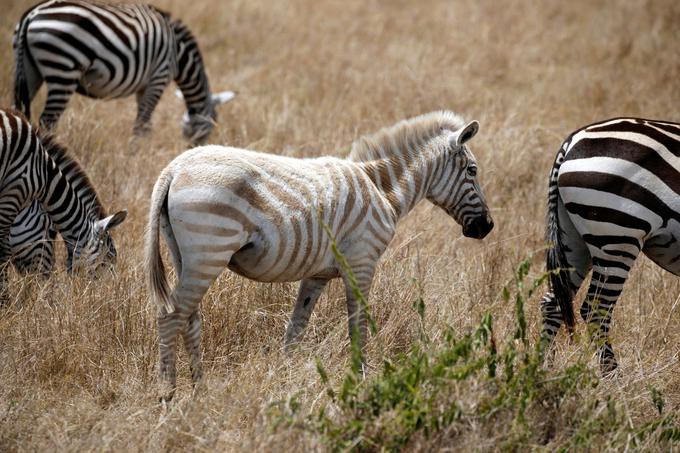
[(552, 321), (310, 290), (147, 100), (169, 326), (198, 273), (356, 314), (192, 343), (58, 95), (578, 259), (597, 309)]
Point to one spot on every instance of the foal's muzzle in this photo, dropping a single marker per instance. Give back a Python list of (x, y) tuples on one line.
[(478, 227)]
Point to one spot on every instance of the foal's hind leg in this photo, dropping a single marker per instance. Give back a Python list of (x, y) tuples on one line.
[(195, 279), (192, 343)]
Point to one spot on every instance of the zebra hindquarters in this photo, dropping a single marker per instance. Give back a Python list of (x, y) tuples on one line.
[(206, 239)]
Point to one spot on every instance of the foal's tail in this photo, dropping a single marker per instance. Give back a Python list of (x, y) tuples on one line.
[(157, 280), (557, 263)]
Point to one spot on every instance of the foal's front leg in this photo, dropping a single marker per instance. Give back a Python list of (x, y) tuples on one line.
[(356, 309), (310, 290)]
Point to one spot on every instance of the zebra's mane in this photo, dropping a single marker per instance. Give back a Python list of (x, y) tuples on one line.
[(72, 169), (405, 136), (182, 31)]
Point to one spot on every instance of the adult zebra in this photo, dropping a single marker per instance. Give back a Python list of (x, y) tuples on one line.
[(109, 51), (263, 217), (32, 235), (28, 172), (614, 192)]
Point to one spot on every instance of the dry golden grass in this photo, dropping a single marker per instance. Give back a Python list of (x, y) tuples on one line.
[(79, 358)]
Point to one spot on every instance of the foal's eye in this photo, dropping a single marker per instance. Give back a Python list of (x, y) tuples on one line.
[(472, 170)]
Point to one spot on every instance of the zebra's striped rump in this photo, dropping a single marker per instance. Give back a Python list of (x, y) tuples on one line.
[(268, 218), (614, 192)]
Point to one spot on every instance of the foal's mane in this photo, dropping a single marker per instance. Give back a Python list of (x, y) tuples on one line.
[(72, 170), (405, 136)]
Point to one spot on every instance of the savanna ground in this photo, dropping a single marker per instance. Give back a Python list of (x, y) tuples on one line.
[(79, 357)]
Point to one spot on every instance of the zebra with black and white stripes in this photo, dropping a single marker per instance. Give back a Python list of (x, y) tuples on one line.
[(263, 217), (614, 192), (109, 51), (28, 172), (33, 233)]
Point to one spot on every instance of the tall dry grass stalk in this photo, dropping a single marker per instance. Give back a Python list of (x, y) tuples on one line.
[(79, 357)]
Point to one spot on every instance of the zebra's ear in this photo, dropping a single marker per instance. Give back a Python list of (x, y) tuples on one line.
[(223, 97), (465, 133), (111, 221)]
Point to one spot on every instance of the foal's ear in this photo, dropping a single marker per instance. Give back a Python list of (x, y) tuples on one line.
[(112, 221), (465, 133)]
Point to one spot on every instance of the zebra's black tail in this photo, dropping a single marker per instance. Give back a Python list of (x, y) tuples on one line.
[(557, 263), (22, 99)]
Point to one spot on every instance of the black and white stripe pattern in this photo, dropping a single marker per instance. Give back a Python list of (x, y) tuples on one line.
[(263, 216), (33, 233), (29, 172), (31, 240), (614, 192), (109, 51)]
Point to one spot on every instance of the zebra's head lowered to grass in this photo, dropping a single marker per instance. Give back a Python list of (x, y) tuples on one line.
[(457, 189), (200, 116), (97, 251), (87, 235)]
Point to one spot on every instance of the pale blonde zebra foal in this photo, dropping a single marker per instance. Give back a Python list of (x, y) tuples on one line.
[(262, 216)]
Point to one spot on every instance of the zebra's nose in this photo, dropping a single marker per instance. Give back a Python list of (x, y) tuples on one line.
[(478, 227)]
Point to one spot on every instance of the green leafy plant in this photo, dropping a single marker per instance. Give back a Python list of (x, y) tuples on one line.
[(424, 393)]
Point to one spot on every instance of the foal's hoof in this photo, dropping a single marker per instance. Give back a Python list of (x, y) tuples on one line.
[(290, 347), (166, 394)]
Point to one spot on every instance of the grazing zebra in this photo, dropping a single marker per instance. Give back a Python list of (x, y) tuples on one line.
[(614, 192), (32, 234), (263, 217), (28, 172), (109, 51)]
